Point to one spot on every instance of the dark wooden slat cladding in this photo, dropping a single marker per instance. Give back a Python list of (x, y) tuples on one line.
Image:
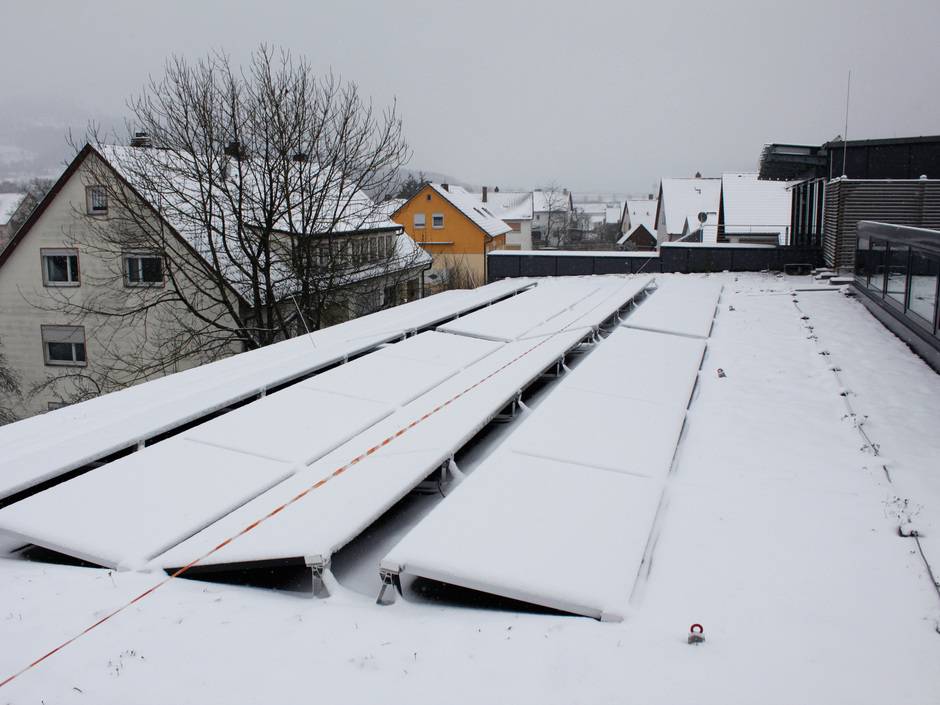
[(911, 203)]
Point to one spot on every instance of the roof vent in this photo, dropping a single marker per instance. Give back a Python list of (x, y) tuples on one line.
[(446, 187), (141, 139)]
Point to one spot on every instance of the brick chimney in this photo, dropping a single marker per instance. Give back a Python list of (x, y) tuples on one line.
[(484, 194)]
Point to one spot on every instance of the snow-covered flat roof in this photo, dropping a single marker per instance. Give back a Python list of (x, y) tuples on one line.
[(809, 441)]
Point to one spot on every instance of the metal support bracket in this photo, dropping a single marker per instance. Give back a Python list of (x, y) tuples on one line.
[(319, 566), (391, 584)]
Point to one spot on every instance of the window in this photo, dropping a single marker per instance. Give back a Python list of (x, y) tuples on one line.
[(96, 198), (390, 296), (373, 248), (59, 267), (437, 220), (63, 345), (143, 270), (419, 220), (388, 245)]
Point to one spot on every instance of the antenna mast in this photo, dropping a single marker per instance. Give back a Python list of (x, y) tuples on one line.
[(845, 133)]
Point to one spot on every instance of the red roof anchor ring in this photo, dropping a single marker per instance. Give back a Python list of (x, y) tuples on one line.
[(696, 634), (696, 629)]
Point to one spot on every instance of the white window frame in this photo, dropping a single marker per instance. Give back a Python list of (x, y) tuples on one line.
[(128, 256), (69, 335), (420, 220), (74, 270), (434, 219), (93, 195)]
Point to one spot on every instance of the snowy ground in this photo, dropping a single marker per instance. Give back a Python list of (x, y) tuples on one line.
[(780, 537)]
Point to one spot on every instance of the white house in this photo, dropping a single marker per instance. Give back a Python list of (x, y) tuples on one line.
[(638, 224), (754, 210), (682, 203), (57, 263), (515, 208)]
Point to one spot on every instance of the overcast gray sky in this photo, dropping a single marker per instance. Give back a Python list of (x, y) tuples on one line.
[(594, 95)]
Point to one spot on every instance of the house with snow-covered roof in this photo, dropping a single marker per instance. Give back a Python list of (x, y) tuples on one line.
[(89, 304), (457, 229), (638, 224), (754, 210), (515, 209), (681, 203)]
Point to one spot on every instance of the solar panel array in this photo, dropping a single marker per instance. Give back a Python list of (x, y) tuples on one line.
[(562, 513), (43, 447), (171, 502)]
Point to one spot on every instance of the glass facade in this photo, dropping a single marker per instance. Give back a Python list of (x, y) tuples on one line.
[(900, 267)]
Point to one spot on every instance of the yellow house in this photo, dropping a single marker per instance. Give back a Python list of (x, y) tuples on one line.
[(457, 229)]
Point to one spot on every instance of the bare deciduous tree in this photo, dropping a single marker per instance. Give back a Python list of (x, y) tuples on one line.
[(558, 214), (9, 392), (239, 215)]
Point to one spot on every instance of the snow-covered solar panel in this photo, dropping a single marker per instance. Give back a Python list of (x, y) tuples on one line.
[(514, 317), (297, 425), (122, 514), (540, 531), (336, 512), (679, 306), (590, 312), (46, 446), (561, 515)]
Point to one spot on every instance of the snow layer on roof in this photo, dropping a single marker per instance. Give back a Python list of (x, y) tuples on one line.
[(9, 202), (509, 205), (685, 198), (47, 445), (679, 306), (472, 207), (751, 205), (642, 212), (543, 201)]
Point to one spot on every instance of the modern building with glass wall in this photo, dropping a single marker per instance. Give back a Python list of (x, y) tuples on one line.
[(897, 271)]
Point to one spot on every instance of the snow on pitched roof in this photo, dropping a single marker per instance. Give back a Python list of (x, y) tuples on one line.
[(163, 178), (639, 226), (751, 205), (642, 212), (509, 205), (686, 198), (543, 201), (9, 202), (472, 207)]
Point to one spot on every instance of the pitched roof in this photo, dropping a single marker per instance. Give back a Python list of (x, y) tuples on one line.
[(751, 205), (543, 201), (641, 212), (684, 199), (509, 205), (472, 207), (184, 191), (633, 231)]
